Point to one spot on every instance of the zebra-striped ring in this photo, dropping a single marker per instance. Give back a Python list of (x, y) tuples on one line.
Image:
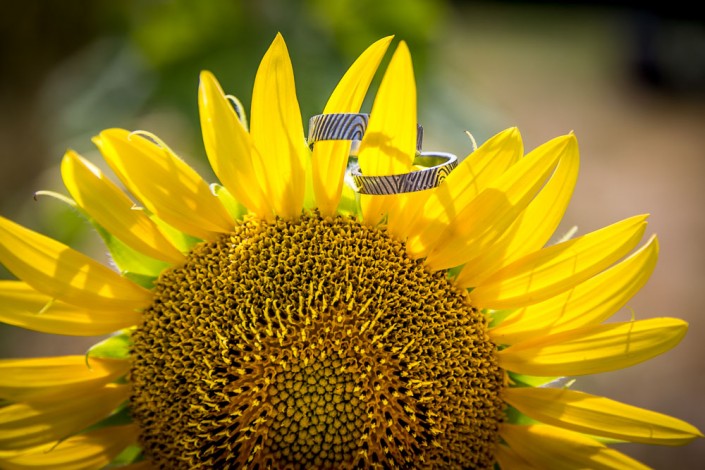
[(345, 126), (438, 166)]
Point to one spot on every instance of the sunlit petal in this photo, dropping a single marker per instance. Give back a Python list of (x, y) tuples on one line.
[(92, 450), (105, 203), (600, 416), (469, 179), (167, 186), (507, 459), (277, 131), (52, 378), (330, 157), (547, 447), (476, 225), (593, 349), (65, 274), (389, 144), (532, 229), (588, 303), (550, 271), (25, 425), (230, 149), (23, 306)]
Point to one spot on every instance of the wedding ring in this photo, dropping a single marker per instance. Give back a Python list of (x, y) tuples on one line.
[(438, 166), (345, 126)]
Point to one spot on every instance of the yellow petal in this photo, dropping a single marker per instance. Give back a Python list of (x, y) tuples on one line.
[(330, 157), (550, 271), (90, 451), (593, 349), (230, 149), (600, 416), (277, 131), (167, 186), (25, 425), (464, 183), (65, 274), (21, 305), (553, 448), (532, 229), (590, 302), (509, 460), (480, 223), (389, 144), (48, 378), (105, 203), (401, 215)]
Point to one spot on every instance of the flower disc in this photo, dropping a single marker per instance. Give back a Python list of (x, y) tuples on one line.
[(316, 343)]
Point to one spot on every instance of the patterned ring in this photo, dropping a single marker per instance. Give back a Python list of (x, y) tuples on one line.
[(438, 166), (345, 126)]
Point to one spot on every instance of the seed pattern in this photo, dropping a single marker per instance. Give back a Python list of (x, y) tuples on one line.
[(313, 344)]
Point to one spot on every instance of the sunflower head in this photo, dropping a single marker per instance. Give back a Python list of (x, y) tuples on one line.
[(283, 318), (293, 344)]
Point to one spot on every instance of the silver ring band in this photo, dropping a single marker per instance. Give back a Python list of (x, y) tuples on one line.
[(345, 126), (438, 166)]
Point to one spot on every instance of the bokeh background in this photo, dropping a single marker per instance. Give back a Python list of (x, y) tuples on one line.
[(629, 82)]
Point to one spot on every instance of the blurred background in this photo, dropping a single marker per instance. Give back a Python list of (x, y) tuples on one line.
[(629, 82)]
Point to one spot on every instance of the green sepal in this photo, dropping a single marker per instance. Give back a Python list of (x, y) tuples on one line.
[(182, 241), (515, 416), (498, 316), (137, 267), (454, 271), (119, 417), (116, 347), (349, 202), (131, 454), (530, 380), (309, 192), (141, 279), (236, 210)]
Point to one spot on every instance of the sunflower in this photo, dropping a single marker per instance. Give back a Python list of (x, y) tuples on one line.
[(279, 319)]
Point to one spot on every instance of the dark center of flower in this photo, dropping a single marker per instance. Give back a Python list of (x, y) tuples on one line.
[(313, 344)]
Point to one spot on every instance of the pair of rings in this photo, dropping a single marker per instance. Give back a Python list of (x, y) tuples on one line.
[(352, 126)]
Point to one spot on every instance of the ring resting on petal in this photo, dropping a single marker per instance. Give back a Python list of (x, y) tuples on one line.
[(352, 126), (438, 166)]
